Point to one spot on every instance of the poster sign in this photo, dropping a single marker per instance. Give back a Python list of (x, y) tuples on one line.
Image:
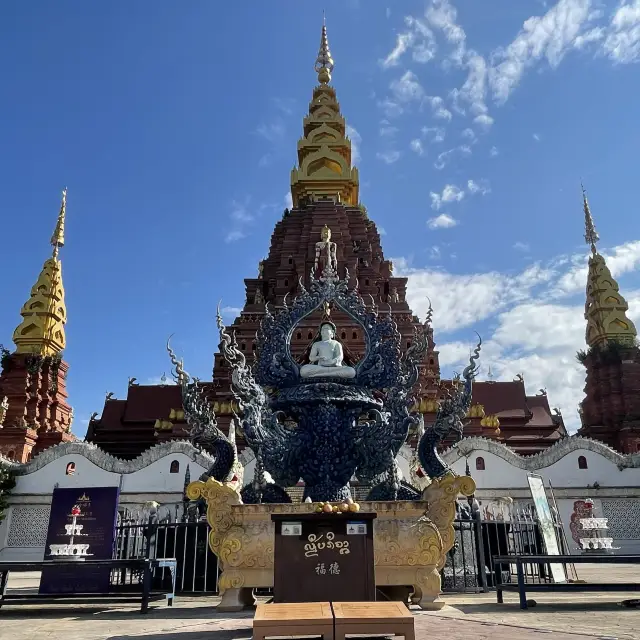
[(81, 525), (547, 525), (292, 528), (356, 528)]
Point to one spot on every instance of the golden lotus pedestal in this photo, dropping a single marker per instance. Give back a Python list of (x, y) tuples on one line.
[(411, 539)]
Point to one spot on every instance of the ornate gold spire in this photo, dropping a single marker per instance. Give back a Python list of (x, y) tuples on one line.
[(44, 314), (324, 151), (605, 308)]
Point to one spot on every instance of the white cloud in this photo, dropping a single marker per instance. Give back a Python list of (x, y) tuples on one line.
[(622, 41), (234, 236), (469, 134), (403, 41), (521, 246), (450, 193), (549, 36), (484, 120), (158, 380), (387, 129), (288, 200), (493, 152), (536, 137), (416, 145), (436, 133), (478, 186), (407, 88), (446, 156), (438, 108), (382, 231), (356, 140), (230, 312), (388, 156), (530, 321), (443, 221), (442, 15)]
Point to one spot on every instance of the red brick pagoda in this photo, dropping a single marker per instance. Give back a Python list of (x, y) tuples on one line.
[(34, 413), (326, 217), (611, 410)]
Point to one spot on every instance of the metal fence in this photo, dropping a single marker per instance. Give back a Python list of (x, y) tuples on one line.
[(187, 542), (469, 564)]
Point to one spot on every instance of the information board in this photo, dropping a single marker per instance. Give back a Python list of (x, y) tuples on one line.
[(96, 512)]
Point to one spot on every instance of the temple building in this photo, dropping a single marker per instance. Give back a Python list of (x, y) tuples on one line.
[(610, 411), (326, 224), (34, 413)]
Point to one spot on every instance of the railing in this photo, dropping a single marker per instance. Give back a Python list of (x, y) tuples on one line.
[(187, 542), (469, 564)]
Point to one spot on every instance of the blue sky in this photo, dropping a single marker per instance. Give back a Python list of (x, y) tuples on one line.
[(174, 127)]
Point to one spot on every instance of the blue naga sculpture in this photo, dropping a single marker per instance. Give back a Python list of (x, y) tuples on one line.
[(322, 421)]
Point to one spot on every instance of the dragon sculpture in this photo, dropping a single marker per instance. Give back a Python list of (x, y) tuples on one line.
[(203, 427), (453, 410)]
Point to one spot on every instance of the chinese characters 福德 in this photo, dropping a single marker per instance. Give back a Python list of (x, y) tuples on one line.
[(333, 569)]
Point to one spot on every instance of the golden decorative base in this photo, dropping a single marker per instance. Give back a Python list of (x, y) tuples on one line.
[(411, 539)]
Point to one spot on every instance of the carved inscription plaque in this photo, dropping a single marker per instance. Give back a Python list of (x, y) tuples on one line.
[(326, 562)]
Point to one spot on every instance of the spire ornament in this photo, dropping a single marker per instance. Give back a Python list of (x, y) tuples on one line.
[(41, 331), (605, 307), (590, 235), (324, 168), (324, 61)]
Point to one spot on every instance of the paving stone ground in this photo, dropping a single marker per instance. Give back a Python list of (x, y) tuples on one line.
[(468, 616)]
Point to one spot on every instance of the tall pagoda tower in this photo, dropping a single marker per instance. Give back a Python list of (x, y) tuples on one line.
[(326, 205), (34, 413), (326, 214), (610, 411)]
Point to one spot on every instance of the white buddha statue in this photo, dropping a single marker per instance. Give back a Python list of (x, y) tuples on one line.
[(325, 359)]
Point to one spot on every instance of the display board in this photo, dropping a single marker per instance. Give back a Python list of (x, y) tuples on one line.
[(546, 524), (82, 524)]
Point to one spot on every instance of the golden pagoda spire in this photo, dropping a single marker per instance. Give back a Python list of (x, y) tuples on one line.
[(324, 152), (605, 308), (41, 331)]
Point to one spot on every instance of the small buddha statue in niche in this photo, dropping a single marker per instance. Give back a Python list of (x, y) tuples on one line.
[(325, 358), (326, 251)]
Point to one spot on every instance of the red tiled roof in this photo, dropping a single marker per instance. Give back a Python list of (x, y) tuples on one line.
[(147, 403), (501, 397)]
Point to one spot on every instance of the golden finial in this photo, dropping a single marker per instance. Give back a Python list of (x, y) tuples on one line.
[(324, 61), (590, 235), (57, 239)]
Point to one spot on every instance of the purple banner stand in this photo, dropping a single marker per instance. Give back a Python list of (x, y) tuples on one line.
[(96, 510)]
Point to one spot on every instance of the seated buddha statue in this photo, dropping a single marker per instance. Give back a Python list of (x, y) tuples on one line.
[(325, 358)]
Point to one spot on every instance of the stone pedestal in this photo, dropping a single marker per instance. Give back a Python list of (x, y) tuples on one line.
[(411, 539)]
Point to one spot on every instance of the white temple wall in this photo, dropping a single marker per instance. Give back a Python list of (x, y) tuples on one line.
[(147, 478)]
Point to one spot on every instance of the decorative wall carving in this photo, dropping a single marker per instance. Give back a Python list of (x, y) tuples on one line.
[(28, 526), (108, 463), (546, 458), (624, 518)]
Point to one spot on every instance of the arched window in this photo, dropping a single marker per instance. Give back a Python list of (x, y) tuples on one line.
[(299, 335), (582, 463), (290, 260), (366, 283), (355, 335), (286, 283), (344, 335), (175, 467), (71, 469), (479, 463), (253, 346), (310, 336)]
